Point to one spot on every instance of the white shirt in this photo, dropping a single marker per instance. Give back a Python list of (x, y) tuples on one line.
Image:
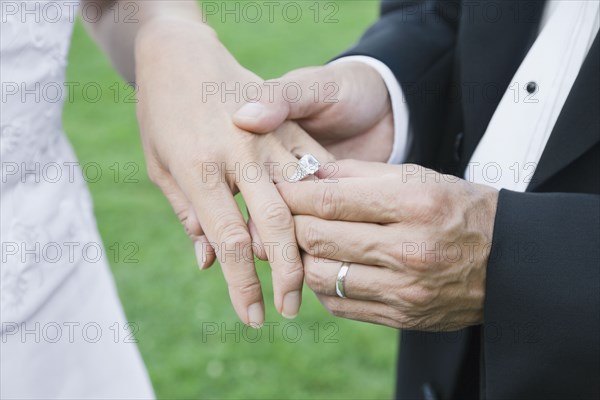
[(517, 134)]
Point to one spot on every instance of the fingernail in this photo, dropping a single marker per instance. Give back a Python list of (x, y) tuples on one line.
[(291, 304), (201, 257), (255, 315), (250, 110)]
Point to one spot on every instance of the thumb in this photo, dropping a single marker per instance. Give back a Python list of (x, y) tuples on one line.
[(293, 97), (262, 118)]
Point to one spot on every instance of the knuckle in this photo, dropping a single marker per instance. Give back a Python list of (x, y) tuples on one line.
[(418, 296), (327, 202), (247, 288), (277, 214), (314, 278), (413, 255), (434, 205), (313, 237), (428, 205), (234, 234), (292, 272)]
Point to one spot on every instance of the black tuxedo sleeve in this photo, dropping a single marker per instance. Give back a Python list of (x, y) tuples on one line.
[(542, 307), (416, 40), (413, 38)]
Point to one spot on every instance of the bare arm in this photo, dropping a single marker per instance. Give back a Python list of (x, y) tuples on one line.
[(119, 22)]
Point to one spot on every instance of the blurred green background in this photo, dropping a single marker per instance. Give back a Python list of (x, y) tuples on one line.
[(175, 306)]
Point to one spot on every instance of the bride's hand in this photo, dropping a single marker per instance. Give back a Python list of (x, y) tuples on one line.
[(199, 159), (418, 243)]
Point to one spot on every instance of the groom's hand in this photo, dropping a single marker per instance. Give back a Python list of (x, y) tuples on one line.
[(199, 159), (345, 106), (418, 244)]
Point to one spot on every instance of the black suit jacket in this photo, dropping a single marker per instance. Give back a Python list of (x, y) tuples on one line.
[(540, 339)]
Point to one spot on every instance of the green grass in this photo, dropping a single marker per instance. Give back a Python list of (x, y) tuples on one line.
[(162, 290)]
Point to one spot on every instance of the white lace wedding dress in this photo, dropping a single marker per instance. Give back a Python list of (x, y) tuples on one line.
[(63, 328)]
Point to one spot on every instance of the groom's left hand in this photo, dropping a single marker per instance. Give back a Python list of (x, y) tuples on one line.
[(418, 243)]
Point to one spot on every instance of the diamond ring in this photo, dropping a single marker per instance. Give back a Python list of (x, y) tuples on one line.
[(307, 165)]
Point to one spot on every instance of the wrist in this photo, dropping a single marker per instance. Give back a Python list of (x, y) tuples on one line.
[(480, 213), (173, 36), (171, 27), (490, 199), (193, 64)]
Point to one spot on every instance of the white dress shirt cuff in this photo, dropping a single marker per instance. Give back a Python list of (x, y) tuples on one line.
[(399, 106)]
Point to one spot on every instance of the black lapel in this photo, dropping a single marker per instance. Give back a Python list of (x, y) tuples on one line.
[(494, 38), (578, 126)]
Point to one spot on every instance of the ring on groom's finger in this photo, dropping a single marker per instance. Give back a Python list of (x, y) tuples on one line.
[(307, 165), (341, 278)]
